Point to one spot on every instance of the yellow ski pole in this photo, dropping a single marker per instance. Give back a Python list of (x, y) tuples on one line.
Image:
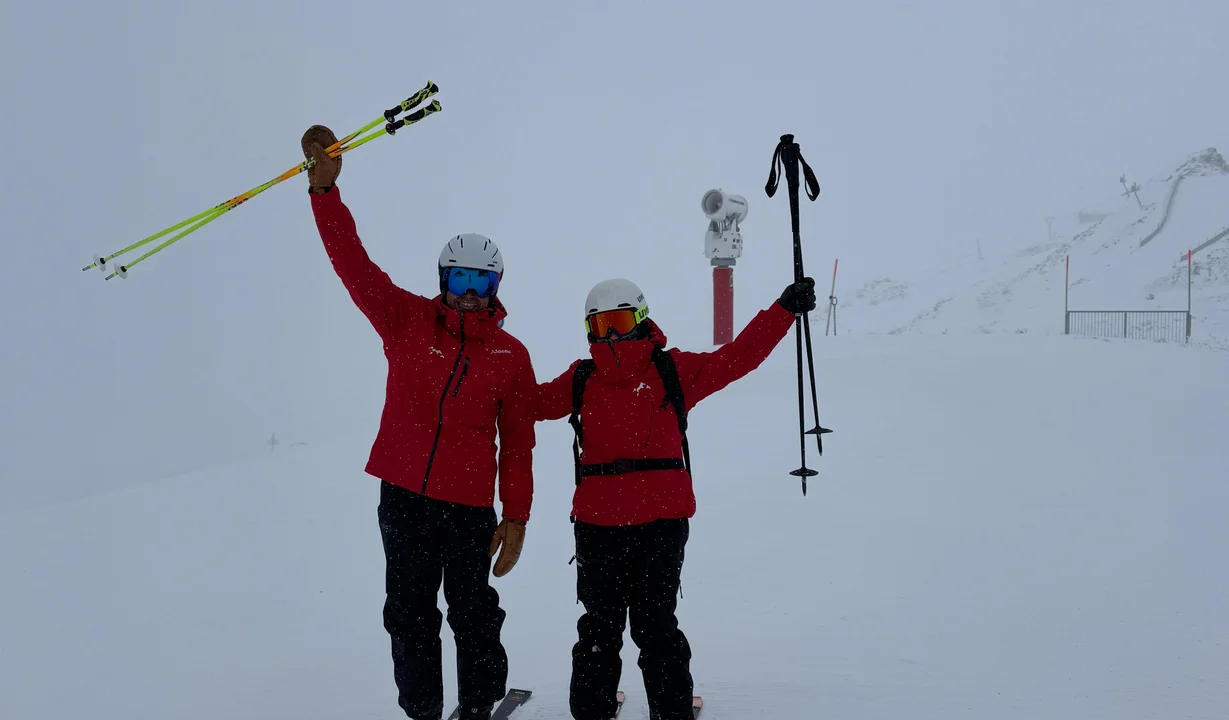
[(121, 270), (343, 145)]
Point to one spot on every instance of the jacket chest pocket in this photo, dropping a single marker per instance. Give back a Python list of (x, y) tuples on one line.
[(625, 417), (474, 392), (439, 369)]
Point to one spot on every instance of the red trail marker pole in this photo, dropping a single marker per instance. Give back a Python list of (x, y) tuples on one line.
[(723, 305)]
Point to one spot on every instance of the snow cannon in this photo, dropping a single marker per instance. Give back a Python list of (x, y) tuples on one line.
[(723, 245)]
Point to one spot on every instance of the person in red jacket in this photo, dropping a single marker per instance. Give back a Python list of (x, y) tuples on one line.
[(456, 379), (633, 496)]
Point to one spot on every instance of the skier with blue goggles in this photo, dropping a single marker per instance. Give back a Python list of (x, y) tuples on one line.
[(457, 381)]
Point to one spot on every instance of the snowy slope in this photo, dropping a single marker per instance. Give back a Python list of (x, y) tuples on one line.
[(1123, 257), (1006, 527)]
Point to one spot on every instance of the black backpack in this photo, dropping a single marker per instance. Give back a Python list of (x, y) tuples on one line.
[(674, 396)]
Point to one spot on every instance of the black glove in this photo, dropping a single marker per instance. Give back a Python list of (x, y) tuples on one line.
[(799, 297)]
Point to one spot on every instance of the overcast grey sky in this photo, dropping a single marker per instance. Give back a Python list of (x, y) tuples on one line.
[(580, 136)]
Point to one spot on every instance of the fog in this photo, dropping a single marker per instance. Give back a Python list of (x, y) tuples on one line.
[(580, 137)]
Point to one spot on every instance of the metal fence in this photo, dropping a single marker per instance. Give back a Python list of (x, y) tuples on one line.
[(1154, 325)]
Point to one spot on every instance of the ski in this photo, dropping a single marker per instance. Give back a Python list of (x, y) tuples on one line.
[(514, 699)]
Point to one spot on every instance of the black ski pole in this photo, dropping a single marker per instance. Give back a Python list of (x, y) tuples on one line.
[(792, 156), (789, 155)]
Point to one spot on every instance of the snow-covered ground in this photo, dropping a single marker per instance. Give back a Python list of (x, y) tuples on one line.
[(1125, 255), (1006, 527)]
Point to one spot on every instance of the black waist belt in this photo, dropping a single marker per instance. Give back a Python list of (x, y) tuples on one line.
[(620, 467)]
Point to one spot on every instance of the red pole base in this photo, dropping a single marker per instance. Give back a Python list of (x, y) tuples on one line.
[(723, 305)]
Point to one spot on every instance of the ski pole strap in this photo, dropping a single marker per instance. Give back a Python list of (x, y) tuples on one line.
[(622, 467), (787, 152)]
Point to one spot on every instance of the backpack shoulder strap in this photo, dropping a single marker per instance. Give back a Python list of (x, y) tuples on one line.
[(669, 375), (668, 372), (581, 376)]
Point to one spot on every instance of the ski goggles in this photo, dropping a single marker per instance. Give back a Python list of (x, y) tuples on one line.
[(620, 322), (459, 280)]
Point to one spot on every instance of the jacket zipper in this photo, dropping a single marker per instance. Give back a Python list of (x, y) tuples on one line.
[(439, 425), (464, 372)]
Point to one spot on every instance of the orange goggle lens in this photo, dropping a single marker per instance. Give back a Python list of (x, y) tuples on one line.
[(620, 321)]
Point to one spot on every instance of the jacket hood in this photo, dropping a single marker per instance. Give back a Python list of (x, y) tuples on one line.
[(478, 325), (626, 358)]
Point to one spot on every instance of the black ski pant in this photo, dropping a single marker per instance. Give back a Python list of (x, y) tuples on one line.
[(426, 541), (621, 572)]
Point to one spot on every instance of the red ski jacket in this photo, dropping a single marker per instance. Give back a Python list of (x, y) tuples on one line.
[(624, 417), (454, 379)]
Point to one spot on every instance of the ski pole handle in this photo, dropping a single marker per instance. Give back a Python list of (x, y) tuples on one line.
[(412, 101), (412, 118)]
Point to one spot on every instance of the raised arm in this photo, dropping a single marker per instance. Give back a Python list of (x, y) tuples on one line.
[(703, 374), (387, 306)]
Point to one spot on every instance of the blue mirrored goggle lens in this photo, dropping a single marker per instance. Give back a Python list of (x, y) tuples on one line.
[(461, 280)]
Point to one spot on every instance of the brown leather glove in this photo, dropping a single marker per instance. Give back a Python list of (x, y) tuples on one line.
[(511, 535), (323, 174)]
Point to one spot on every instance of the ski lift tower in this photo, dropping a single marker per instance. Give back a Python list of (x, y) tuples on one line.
[(723, 245)]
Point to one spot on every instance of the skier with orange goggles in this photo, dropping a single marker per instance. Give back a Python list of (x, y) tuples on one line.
[(633, 496)]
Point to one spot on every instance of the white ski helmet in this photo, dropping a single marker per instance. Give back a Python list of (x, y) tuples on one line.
[(471, 250), (616, 294)]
